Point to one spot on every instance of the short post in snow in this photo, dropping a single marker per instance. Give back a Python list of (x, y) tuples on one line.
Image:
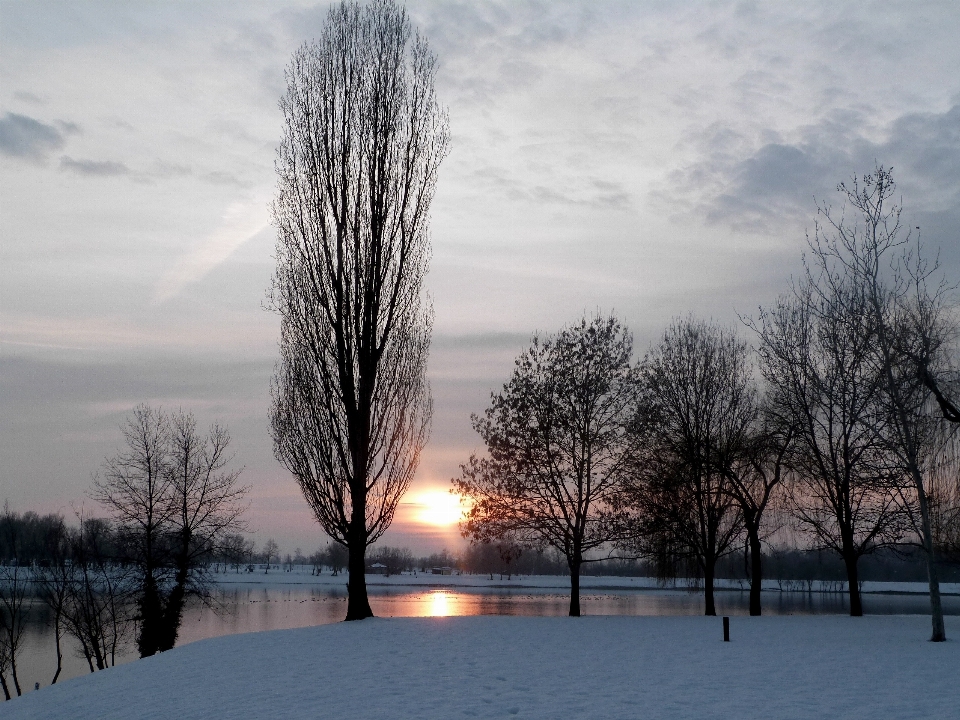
[(726, 629)]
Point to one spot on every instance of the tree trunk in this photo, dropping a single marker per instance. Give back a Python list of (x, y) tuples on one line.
[(939, 633), (756, 569), (150, 618), (98, 656), (358, 606), (13, 672), (173, 613), (3, 683), (88, 655), (853, 585), (57, 633), (574, 566), (709, 568)]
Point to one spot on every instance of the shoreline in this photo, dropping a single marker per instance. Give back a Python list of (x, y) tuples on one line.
[(608, 583)]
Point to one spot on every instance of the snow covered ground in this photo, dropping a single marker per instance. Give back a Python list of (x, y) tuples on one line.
[(535, 667)]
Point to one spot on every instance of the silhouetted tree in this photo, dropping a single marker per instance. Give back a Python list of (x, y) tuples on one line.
[(270, 551), (909, 327), (943, 480), (236, 550), (816, 348), (207, 506), (363, 140), (559, 446), (336, 557), (32, 533), (13, 588), (136, 488), (754, 473), (4, 668), (508, 551), (103, 595), (702, 407), (54, 577), (173, 501), (396, 560)]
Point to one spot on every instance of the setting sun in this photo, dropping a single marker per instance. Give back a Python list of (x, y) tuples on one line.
[(437, 508)]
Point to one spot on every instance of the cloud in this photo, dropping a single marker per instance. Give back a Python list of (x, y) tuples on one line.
[(97, 168), (241, 221), (68, 127), (23, 137), (164, 170), (218, 177), (28, 97), (757, 188)]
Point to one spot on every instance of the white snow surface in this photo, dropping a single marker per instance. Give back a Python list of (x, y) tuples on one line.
[(535, 667)]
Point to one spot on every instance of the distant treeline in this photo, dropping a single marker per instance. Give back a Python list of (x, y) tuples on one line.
[(39, 543), (793, 568)]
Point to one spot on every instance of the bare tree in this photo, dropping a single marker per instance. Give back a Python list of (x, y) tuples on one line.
[(754, 472), (909, 326), (336, 557), (357, 165), (136, 488), (13, 588), (54, 580), (815, 349), (173, 501), (943, 495), (207, 506), (270, 550), (102, 594), (236, 550), (560, 445), (395, 560), (703, 406), (4, 667)]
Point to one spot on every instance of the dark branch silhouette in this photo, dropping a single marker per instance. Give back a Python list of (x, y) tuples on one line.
[(173, 502), (560, 445), (908, 325), (363, 140), (702, 407)]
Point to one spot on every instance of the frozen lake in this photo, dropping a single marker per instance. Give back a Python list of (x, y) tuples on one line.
[(253, 605)]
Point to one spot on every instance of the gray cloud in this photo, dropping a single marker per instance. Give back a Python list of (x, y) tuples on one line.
[(779, 180), (218, 177), (164, 170), (68, 128), (928, 146), (23, 137), (28, 97), (98, 168)]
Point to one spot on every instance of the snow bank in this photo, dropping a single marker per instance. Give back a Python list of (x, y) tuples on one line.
[(502, 667)]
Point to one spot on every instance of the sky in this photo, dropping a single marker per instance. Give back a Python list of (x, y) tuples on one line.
[(648, 159)]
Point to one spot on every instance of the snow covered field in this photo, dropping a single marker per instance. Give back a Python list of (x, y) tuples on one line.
[(503, 667)]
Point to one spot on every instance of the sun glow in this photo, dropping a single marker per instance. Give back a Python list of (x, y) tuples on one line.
[(439, 605), (438, 508)]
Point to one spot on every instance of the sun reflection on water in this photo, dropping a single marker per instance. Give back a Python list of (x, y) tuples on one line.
[(440, 605)]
